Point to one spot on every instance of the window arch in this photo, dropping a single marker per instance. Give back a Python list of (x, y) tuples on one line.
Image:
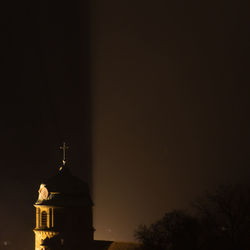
[(44, 219)]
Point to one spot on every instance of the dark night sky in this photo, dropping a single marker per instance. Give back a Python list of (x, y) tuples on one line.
[(159, 91), (170, 106)]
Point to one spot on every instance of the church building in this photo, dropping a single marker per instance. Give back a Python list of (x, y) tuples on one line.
[(64, 218)]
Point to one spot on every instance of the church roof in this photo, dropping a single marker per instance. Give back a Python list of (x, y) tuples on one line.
[(114, 245), (124, 246)]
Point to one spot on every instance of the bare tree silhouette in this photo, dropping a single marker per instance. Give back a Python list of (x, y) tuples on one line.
[(225, 215)]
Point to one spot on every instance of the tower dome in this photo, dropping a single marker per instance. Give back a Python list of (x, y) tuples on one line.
[(64, 189)]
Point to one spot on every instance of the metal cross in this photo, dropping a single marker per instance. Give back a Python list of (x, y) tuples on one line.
[(64, 148)]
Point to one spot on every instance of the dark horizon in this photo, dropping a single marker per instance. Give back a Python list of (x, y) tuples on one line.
[(153, 100)]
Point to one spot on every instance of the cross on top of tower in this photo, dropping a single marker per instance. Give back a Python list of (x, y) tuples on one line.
[(64, 148)]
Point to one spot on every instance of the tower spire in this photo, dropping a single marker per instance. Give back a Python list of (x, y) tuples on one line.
[(64, 148)]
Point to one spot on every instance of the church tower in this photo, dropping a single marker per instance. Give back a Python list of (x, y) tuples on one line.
[(63, 212)]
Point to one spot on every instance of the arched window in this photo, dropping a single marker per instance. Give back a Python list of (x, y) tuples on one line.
[(44, 219)]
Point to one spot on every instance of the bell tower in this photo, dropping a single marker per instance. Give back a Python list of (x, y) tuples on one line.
[(63, 212)]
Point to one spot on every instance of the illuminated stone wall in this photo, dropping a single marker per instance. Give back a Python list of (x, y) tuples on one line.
[(44, 225)]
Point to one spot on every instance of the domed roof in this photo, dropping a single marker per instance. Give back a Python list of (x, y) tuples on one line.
[(65, 182), (64, 189)]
